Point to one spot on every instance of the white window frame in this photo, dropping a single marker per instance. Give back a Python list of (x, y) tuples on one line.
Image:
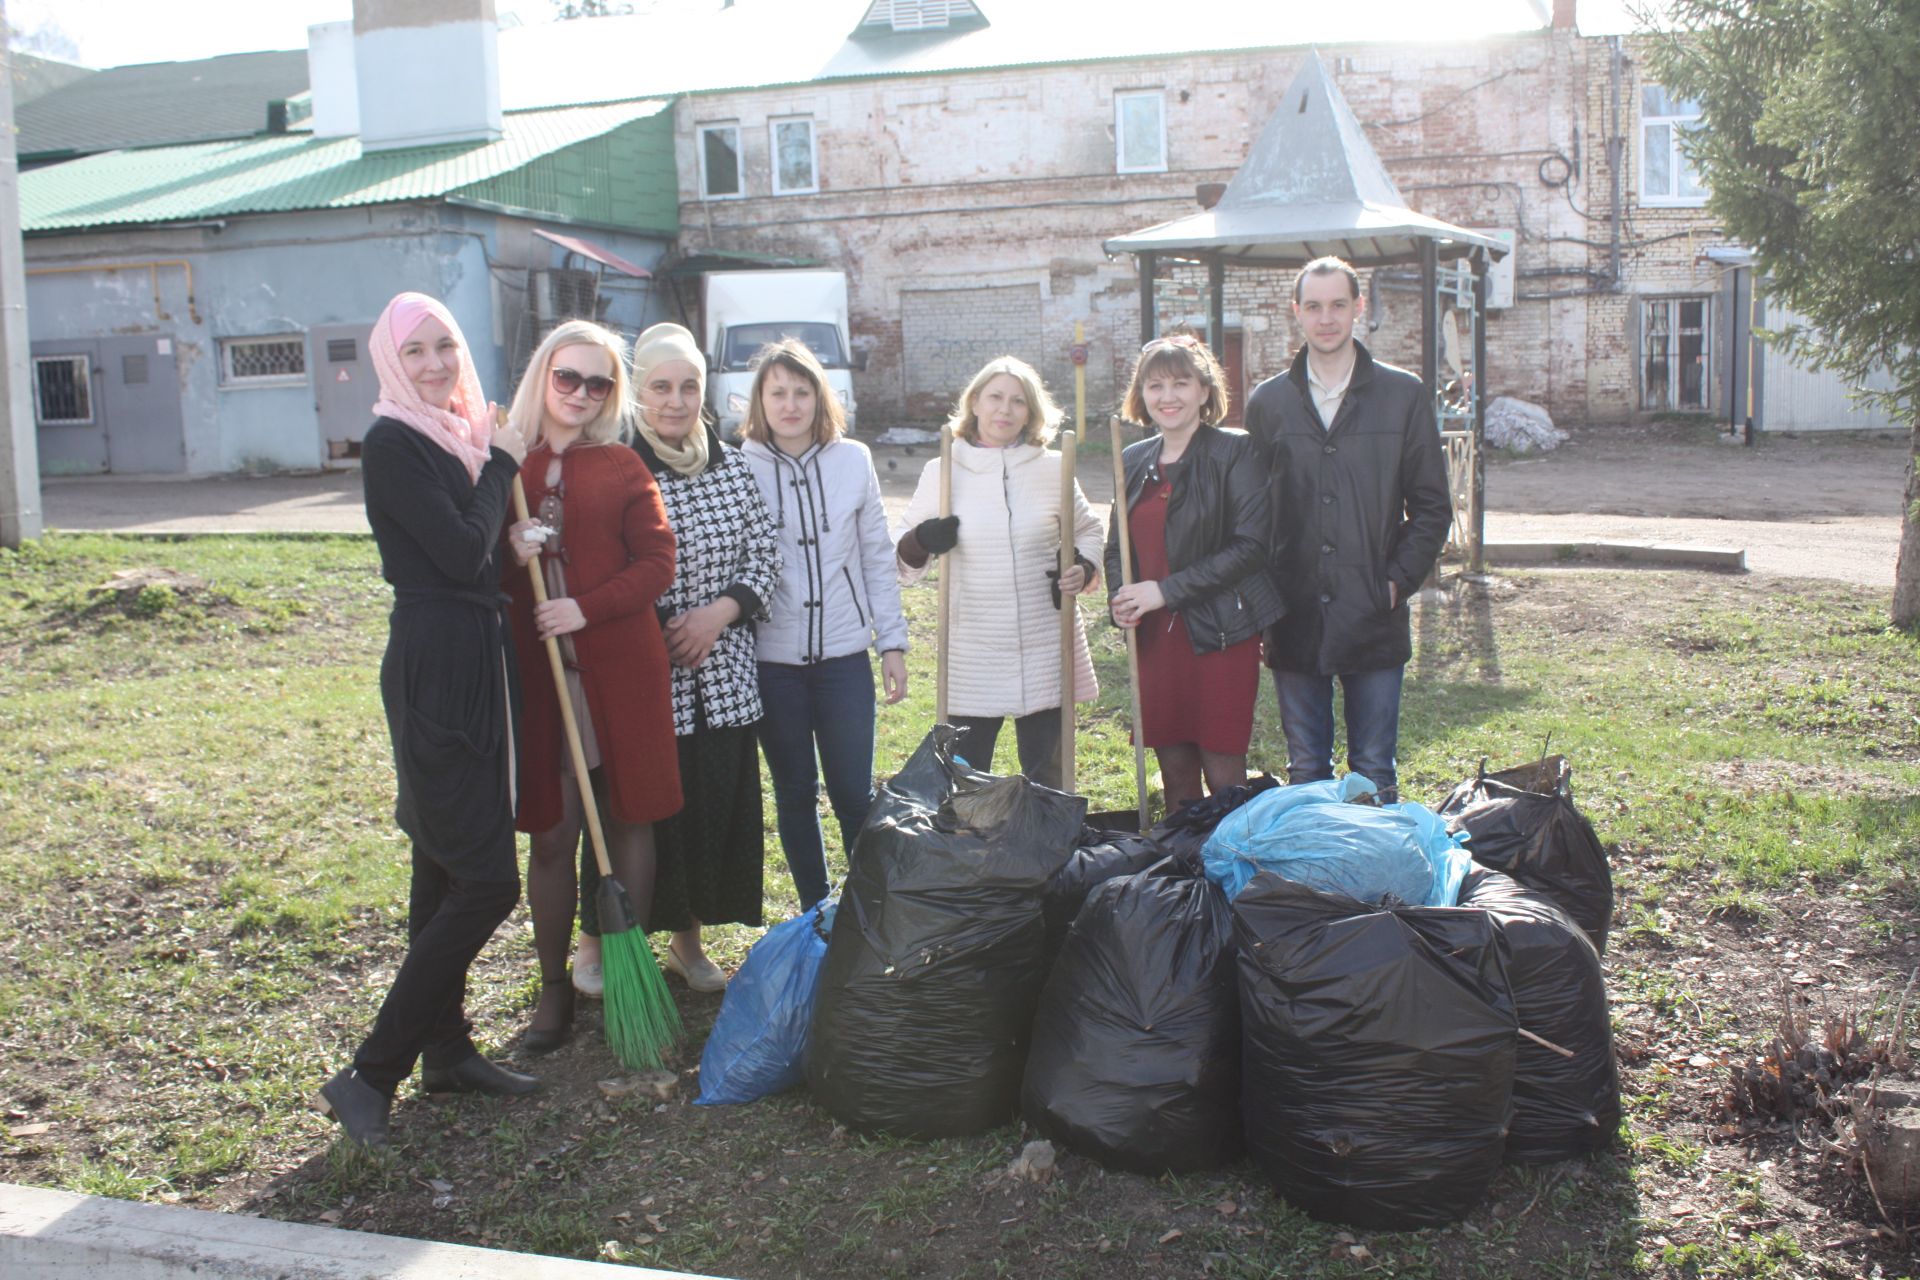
[(739, 160), (813, 154), (1677, 162), (229, 380), (86, 381), (1120, 98), (1671, 305)]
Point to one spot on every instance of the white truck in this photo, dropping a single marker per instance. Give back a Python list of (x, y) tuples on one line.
[(742, 311)]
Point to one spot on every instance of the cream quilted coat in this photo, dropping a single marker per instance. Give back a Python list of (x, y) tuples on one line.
[(1005, 654)]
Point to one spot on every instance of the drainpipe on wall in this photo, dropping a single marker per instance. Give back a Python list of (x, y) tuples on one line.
[(1616, 156)]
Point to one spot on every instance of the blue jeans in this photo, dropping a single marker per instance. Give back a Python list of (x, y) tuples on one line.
[(1372, 705), (825, 707)]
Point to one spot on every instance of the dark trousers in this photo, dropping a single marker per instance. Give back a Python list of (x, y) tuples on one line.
[(424, 1015), (1036, 735), (824, 708)]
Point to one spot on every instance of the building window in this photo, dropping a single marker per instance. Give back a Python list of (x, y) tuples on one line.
[(1140, 131), (794, 171), (62, 390), (719, 160), (263, 362), (1674, 354), (1667, 176)]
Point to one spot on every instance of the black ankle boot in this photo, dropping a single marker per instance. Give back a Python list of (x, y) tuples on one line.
[(539, 1041), (360, 1109), (477, 1075)]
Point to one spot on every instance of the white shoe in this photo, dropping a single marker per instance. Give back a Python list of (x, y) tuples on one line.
[(589, 980), (701, 975)]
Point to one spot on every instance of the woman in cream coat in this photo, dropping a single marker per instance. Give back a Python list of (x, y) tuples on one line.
[(1002, 546)]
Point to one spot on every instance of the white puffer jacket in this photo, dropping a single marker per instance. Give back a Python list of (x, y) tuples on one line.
[(1004, 651), (837, 592)]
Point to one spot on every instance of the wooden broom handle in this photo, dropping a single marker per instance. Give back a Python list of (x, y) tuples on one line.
[(579, 752)]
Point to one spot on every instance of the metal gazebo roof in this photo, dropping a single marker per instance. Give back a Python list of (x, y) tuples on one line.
[(1311, 185)]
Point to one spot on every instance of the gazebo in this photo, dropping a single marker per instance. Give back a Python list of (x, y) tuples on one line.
[(1312, 185)]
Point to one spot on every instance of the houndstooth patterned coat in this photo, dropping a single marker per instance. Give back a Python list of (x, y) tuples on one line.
[(727, 546)]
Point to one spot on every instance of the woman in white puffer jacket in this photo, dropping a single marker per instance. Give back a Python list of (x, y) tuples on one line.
[(1002, 546)]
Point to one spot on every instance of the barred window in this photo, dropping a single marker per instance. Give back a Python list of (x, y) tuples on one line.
[(62, 390), (255, 361)]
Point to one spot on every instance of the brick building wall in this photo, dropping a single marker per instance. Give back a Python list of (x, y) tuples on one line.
[(1002, 183)]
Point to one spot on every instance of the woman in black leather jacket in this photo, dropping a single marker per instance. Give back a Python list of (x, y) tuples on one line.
[(1197, 514)]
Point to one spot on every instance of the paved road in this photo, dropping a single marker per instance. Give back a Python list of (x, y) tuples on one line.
[(1848, 546)]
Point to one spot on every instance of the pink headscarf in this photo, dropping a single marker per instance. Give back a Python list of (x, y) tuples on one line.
[(464, 428)]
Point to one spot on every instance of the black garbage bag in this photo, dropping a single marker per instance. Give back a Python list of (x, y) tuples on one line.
[(1562, 1107), (1523, 822), (1136, 1044), (1099, 856), (936, 958), (1378, 1049), (1184, 831)]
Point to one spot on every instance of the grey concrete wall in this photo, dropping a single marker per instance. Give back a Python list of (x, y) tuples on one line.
[(56, 1235), (284, 274)]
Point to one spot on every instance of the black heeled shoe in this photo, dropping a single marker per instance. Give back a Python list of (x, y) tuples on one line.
[(537, 1041), (360, 1109), (477, 1075)]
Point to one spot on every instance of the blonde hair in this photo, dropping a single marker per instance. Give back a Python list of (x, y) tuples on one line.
[(1182, 353), (1043, 415), (797, 358), (529, 409)]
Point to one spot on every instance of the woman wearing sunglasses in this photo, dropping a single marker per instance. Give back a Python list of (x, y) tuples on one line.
[(438, 476), (607, 554), (1002, 545), (1196, 507), (836, 600)]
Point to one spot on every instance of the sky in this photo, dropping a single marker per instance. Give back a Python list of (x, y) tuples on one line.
[(109, 33)]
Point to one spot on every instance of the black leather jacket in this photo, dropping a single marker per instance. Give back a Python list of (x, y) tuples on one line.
[(1217, 523), (1358, 503)]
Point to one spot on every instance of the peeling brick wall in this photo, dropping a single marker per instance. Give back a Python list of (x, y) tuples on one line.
[(946, 197)]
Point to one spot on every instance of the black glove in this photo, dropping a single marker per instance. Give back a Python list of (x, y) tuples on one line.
[(939, 535)]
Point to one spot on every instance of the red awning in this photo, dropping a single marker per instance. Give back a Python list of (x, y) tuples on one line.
[(588, 249)]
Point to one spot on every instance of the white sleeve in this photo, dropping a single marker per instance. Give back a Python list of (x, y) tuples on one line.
[(924, 505)]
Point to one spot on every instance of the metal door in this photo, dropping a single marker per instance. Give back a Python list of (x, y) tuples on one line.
[(140, 389), (71, 421), (344, 387)]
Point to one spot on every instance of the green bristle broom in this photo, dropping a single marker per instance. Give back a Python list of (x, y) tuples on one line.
[(640, 1016)]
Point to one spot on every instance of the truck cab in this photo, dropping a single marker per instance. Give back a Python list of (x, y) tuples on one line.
[(743, 311)]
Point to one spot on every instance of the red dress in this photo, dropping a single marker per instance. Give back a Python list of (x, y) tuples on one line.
[(1203, 698), (618, 556)]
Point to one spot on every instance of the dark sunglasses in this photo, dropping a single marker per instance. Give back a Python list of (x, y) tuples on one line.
[(567, 381)]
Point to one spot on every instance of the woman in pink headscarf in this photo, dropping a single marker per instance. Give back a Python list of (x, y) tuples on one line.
[(439, 478)]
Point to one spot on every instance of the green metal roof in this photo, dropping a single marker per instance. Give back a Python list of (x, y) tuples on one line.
[(609, 165)]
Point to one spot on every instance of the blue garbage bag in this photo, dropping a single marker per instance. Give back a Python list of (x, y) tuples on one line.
[(1316, 835), (758, 1045)]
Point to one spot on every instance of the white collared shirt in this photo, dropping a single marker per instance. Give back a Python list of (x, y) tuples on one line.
[(1326, 398)]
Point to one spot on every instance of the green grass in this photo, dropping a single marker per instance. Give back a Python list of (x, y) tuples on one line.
[(206, 897)]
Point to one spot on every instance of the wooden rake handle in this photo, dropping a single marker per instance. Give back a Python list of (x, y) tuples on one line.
[(578, 751), (1133, 636), (1069, 615), (943, 617)]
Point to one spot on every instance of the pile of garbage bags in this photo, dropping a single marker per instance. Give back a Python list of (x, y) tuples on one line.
[(1356, 994)]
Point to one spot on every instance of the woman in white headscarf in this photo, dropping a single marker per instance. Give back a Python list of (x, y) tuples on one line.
[(711, 853)]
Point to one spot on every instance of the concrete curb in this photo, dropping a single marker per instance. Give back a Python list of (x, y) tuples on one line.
[(56, 1235), (1724, 559)]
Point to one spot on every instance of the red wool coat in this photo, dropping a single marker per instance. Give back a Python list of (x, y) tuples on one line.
[(619, 559)]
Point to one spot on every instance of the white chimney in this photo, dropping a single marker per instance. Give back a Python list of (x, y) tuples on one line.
[(428, 72), (336, 96)]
